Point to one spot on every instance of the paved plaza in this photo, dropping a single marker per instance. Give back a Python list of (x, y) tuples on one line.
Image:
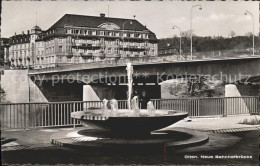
[(27, 143)]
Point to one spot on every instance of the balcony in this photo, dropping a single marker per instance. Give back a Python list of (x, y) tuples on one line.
[(28, 58), (69, 55), (86, 46), (86, 55), (101, 55), (134, 48)]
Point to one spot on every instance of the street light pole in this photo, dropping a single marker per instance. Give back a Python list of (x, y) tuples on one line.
[(200, 7), (247, 12), (180, 36)]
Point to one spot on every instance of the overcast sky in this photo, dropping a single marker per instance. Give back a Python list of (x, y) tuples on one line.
[(216, 18)]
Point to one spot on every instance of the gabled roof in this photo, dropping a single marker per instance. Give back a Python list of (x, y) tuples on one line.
[(95, 21)]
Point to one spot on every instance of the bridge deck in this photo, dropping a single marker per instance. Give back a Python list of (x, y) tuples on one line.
[(113, 64)]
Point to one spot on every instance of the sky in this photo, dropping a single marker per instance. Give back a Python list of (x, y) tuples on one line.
[(215, 18)]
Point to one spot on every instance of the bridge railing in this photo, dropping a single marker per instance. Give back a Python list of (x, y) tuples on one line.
[(222, 106), (48, 114), (51, 114)]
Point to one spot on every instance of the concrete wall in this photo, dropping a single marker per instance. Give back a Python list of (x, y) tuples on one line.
[(61, 91), (19, 88), (249, 90)]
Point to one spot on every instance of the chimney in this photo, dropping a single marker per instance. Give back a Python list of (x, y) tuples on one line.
[(15, 34), (28, 32), (23, 32), (102, 15)]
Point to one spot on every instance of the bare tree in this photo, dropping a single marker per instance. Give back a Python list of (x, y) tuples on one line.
[(248, 34), (232, 34)]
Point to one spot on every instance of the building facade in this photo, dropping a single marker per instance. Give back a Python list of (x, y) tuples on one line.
[(4, 51), (81, 39)]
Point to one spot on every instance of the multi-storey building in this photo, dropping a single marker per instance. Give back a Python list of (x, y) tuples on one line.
[(23, 48), (4, 51), (79, 39)]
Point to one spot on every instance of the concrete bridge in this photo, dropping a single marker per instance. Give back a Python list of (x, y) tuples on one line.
[(230, 70), (109, 79)]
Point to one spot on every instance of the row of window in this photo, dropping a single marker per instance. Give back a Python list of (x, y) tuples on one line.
[(115, 42), (169, 51), (107, 33), (20, 46), (112, 50)]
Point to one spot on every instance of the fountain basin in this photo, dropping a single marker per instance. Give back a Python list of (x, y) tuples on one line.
[(121, 124)]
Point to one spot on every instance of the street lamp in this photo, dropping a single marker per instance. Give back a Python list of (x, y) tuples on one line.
[(174, 26), (247, 12), (123, 27), (200, 8)]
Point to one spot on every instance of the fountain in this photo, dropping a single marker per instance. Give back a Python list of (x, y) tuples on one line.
[(130, 120), (111, 127)]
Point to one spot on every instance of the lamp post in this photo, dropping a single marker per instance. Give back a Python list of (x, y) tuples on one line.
[(247, 12), (200, 8), (174, 26), (123, 27)]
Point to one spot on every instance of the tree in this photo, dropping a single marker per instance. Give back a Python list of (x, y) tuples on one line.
[(232, 34), (248, 34)]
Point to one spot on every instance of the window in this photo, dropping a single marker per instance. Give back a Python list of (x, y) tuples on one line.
[(116, 51), (60, 40), (117, 41), (68, 30), (102, 41), (60, 48), (137, 35), (152, 52), (109, 50), (89, 32), (146, 43), (146, 52), (59, 59)]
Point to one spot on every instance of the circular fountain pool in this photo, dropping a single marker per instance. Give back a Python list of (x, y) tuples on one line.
[(127, 124)]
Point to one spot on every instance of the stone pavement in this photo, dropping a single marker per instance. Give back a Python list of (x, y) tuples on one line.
[(30, 139), (228, 124)]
